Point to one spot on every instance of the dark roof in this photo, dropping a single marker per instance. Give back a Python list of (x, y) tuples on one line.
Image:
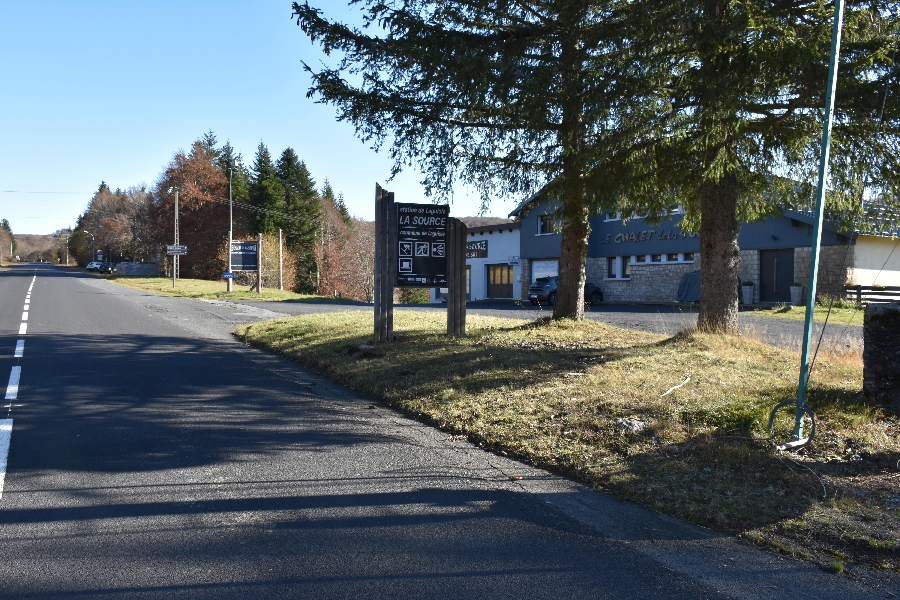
[(498, 227)]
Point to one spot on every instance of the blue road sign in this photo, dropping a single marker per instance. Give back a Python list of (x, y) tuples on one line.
[(227, 275)]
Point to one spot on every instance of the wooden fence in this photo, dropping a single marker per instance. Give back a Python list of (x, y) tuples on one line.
[(864, 294)]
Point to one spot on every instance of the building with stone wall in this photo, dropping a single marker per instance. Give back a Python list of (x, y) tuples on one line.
[(637, 262)]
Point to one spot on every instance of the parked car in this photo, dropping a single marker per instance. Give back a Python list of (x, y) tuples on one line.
[(106, 267), (543, 291), (94, 266)]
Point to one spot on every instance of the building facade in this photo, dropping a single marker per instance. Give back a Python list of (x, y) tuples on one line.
[(634, 261), (493, 267)]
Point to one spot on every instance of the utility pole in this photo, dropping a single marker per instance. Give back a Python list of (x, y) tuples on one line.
[(230, 280), (175, 256), (280, 263), (67, 251)]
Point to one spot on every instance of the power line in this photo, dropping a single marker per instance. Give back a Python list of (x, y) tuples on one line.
[(28, 192)]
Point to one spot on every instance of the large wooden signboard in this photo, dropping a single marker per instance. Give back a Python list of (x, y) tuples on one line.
[(422, 245)]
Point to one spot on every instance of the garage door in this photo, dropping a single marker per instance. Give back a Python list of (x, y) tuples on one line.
[(544, 268)]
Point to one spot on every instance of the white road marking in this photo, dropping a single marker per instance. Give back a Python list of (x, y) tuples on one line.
[(25, 316), (20, 349), (23, 328), (12, 390), (5, 433)]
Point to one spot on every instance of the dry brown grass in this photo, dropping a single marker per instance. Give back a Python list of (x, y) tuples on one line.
[(560, 394)]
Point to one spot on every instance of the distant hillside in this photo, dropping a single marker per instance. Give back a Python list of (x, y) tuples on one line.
[(482, 221)]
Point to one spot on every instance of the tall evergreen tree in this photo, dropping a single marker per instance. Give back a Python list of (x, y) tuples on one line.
[(606, 103), (516, 98), (301, 206), (266, 192), (240, 176), (738, 90)]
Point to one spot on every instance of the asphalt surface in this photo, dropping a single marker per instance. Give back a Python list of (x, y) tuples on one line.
[(152, 455), (662, 319)]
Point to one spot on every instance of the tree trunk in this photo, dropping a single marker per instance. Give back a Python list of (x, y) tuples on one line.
[(576, 228), (573, 254), (720, 256)]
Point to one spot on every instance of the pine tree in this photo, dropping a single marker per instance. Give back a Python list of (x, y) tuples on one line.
[(302, 208), (733, 120), (240, 176), (266, 193), (604, 105), (516, 98)]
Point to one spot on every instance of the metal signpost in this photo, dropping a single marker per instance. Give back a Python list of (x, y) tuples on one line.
[(422, 245), (175, 250)]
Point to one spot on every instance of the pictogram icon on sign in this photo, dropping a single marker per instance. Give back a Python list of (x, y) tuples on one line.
[(405, 248), (421, 248), (406, 265), (437, 249)]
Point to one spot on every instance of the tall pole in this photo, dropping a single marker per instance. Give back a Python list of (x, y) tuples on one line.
[(175, 256), (280, 263), (67, 251), (259, 265), (820, 213), (92, 244), (230, 281)]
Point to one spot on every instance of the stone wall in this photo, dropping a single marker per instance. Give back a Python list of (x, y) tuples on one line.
[(650, 282), (881, 355), (748, 270), (831, 273)]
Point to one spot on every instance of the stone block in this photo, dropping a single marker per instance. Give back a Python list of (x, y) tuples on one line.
[(881, 355)]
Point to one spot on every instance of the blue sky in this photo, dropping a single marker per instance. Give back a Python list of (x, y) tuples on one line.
[(97, 91)]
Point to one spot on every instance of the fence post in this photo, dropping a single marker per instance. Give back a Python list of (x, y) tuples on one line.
[(259, 264), (859, 294)]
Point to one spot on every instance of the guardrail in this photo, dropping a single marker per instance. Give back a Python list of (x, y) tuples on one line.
[(864, 294)]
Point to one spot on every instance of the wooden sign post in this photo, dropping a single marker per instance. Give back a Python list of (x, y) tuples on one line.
[(456, 277), (385, 264)]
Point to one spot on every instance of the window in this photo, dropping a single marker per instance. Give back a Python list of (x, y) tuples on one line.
[(617, 267), (546, 225), (688, 257), (671, 258), (613, 216), (640, 258), (656, 258)]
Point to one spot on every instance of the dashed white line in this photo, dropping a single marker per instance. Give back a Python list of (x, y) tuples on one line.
[(25, 316), (23, 328), (12, 390), (5, 433), (20, 349)]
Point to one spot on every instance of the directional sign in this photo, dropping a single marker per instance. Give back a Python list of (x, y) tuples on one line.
[(227, 275), (173, 249), (244, 256), (422, 250)]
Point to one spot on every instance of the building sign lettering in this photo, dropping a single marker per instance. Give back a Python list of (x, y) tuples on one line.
[(646, 235), (477, 249)]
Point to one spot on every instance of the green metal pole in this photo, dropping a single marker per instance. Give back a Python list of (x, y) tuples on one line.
[(820, 212)]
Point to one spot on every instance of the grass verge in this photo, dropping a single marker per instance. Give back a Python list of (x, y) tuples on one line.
[(588, 400), (202, 288), (842, 315)]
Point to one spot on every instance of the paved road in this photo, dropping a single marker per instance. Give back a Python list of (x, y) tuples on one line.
[(153, 456)]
